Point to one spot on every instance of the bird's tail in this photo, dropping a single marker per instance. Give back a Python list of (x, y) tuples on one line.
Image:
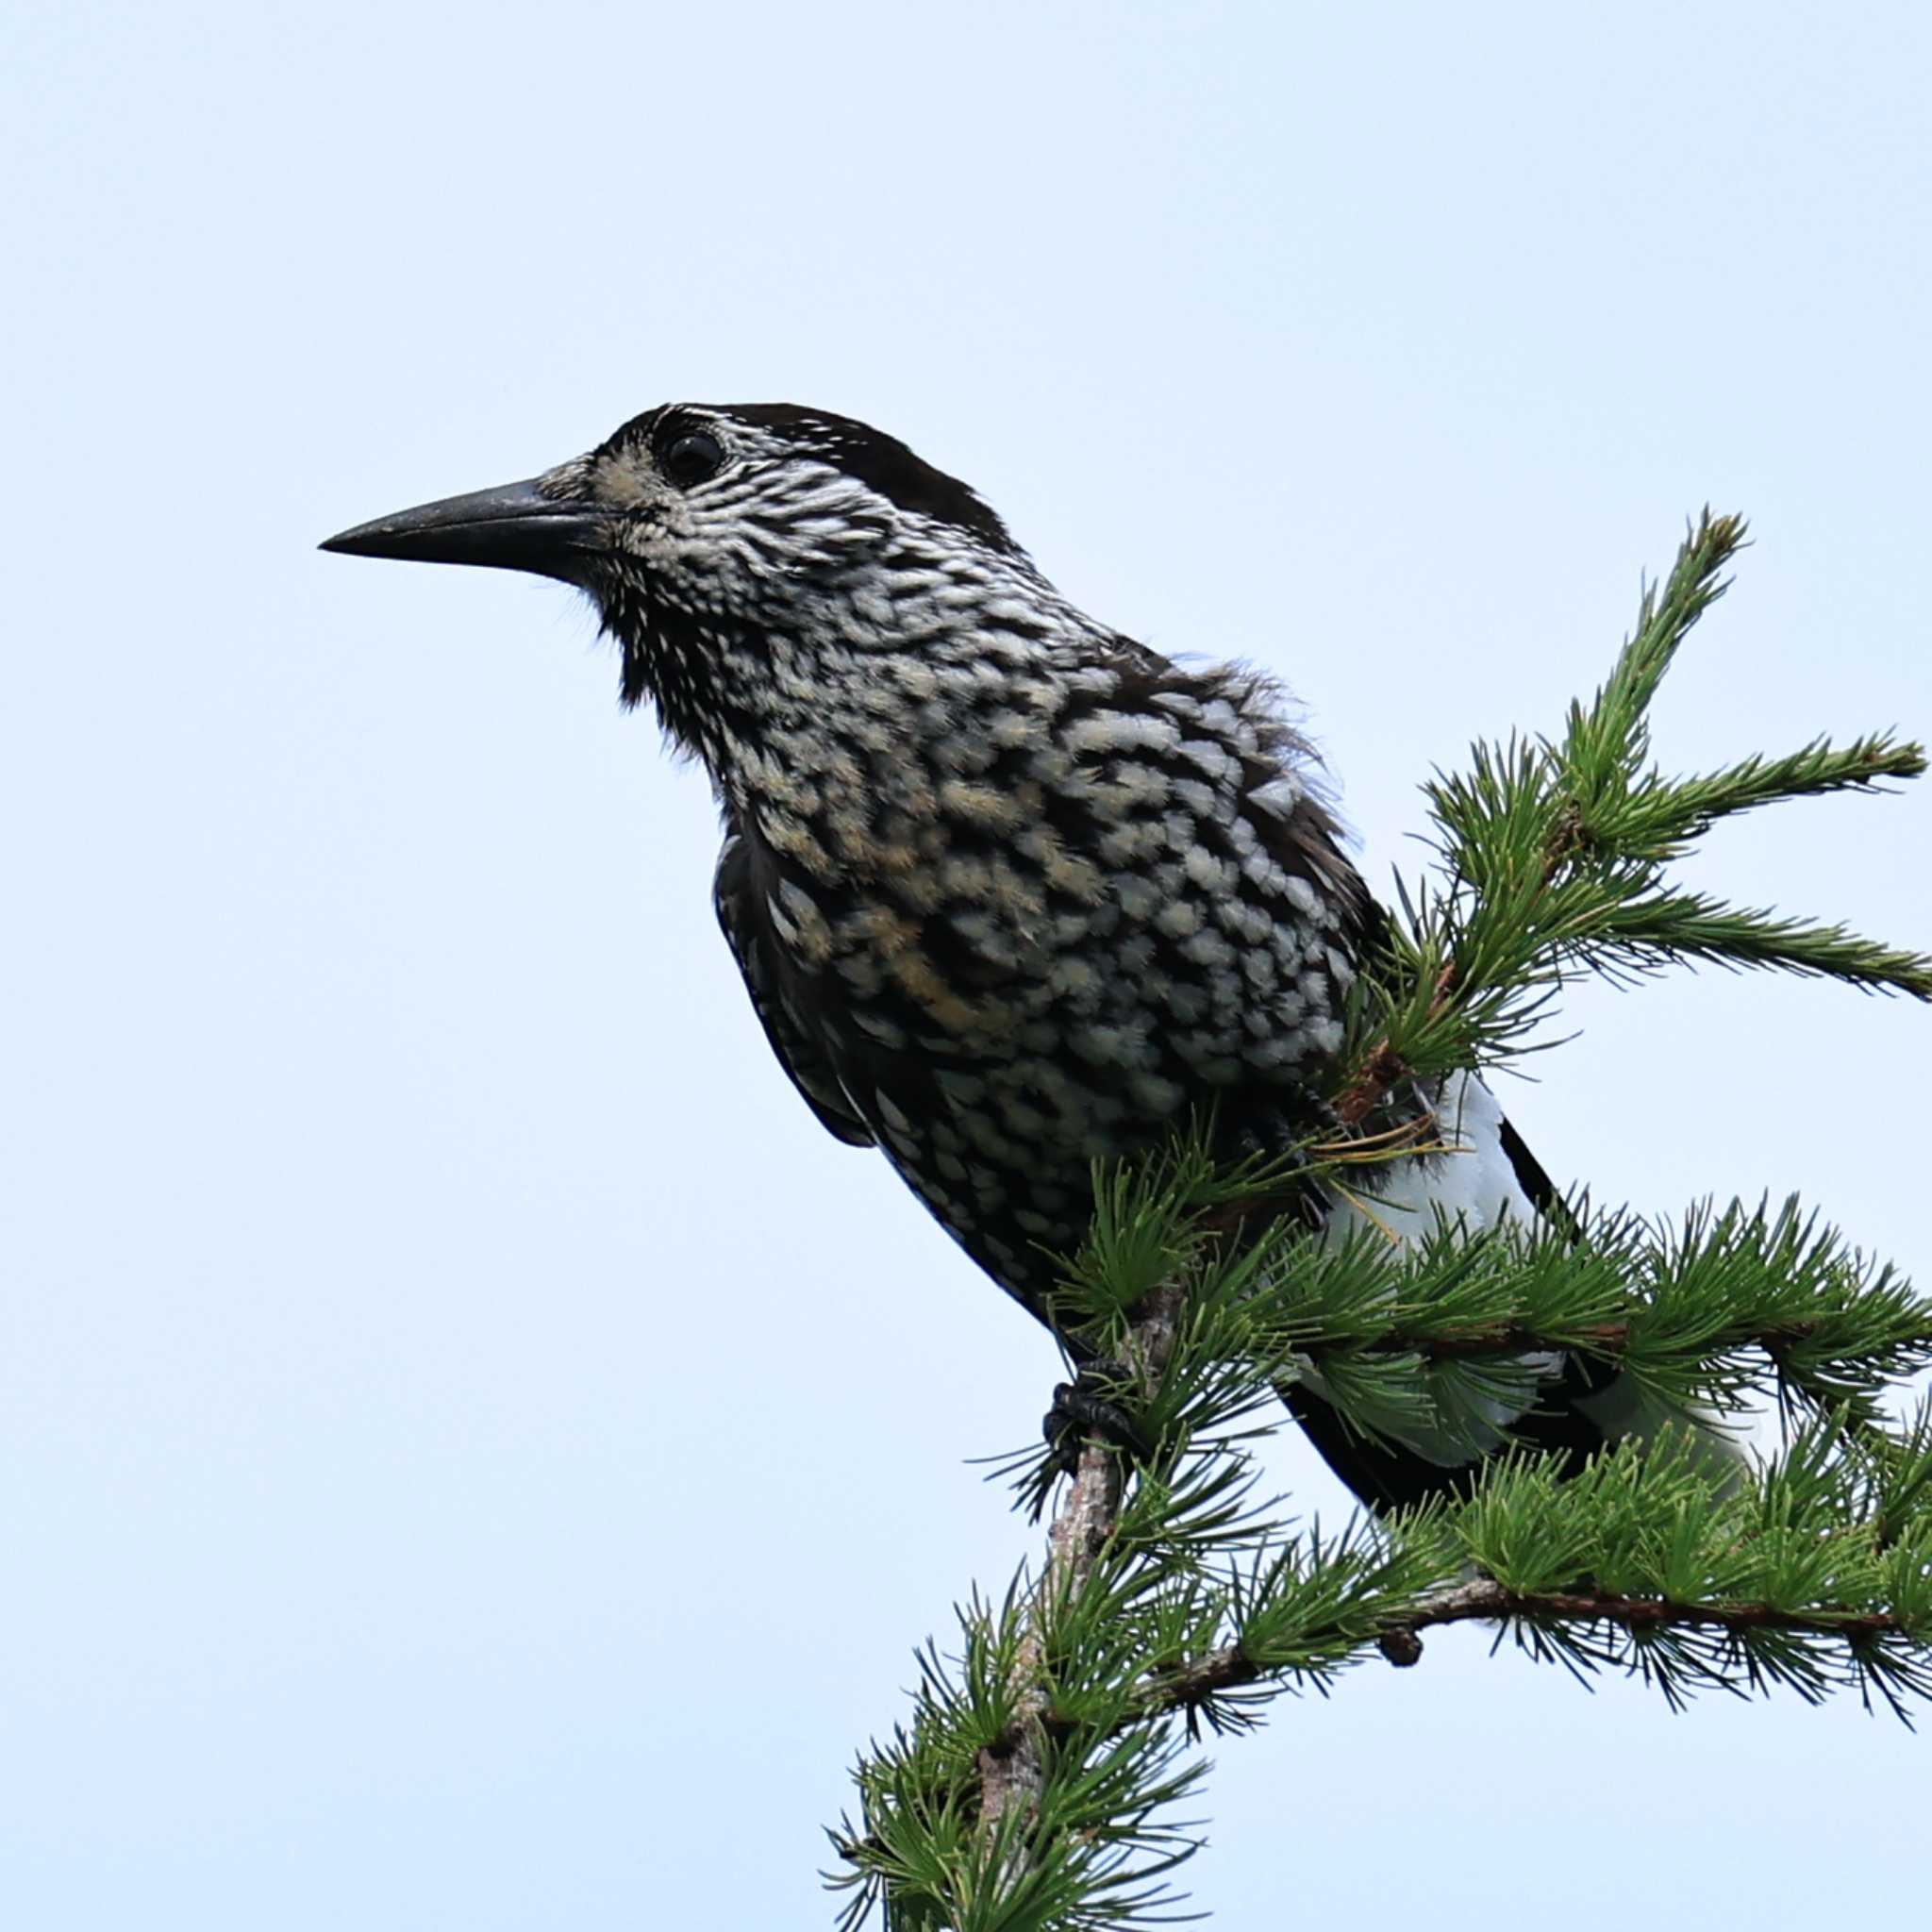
[(1557, 1402)]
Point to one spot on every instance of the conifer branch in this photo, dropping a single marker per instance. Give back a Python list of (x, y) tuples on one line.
[(1201, 1679), (1815, 1573), (1553, 853), (1035, 1785), (1704, 1312), (1011, 1772)]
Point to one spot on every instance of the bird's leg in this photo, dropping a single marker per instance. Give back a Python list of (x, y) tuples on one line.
[(1084, 1409)]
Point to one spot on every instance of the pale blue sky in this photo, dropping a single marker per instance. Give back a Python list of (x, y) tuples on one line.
[(472, 1453)]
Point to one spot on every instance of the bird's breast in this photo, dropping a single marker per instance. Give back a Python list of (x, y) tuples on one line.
[(1027, 935)]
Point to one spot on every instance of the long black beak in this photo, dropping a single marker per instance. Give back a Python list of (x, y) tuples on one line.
[(516, 527)]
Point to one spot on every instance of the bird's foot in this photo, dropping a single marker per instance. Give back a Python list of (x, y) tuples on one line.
[(1083, 1410)]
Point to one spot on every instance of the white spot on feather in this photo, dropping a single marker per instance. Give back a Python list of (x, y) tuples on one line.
[(1280, 796)]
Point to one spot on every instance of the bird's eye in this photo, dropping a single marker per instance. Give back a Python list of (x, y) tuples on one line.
[(694, 458)]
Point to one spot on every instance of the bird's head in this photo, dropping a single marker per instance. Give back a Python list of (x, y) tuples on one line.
[(719, 540)]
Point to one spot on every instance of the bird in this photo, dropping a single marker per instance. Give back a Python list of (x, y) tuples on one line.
[(1012, 892)]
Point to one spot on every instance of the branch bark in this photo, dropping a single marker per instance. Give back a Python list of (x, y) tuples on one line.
[(1011, 1769)]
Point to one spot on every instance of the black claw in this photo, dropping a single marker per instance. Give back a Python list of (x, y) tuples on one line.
[(1081, 1413)]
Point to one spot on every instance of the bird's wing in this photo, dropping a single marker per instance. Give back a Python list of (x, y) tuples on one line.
[(739, 896)]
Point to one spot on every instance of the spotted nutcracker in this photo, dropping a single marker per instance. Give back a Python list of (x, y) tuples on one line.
[(1008, 889)]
